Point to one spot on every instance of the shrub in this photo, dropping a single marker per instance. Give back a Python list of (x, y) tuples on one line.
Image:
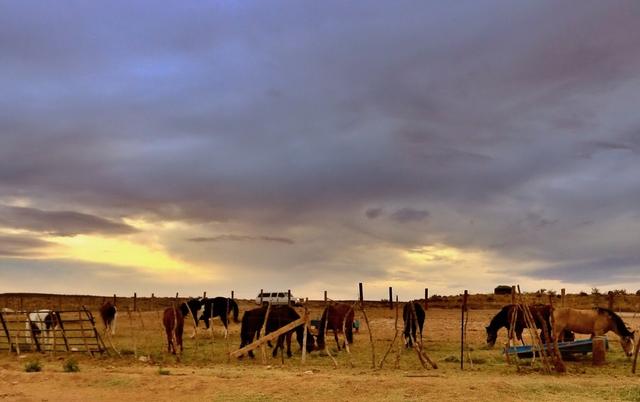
[(162, 371), (33, 366), (70, 366)]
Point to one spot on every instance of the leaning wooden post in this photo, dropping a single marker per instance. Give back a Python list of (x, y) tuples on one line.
[(366, 321), (559, 364), (463, 311), (395, 336), (390, 298), (263, 332), (304, 335)]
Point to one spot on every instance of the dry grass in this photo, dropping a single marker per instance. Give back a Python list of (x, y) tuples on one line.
[(203, 373)]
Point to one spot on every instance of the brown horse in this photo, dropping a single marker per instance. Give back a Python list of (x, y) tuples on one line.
[(173, 322), (335, 317), (108, 313), (596, 322)]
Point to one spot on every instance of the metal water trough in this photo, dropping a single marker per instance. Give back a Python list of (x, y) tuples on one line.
[(582, 346)]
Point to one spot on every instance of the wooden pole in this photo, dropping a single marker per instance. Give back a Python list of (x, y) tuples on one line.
[(204, 294), (513, 294), (635, 358), (390, 298), (232, 295), (562, 295), (135, 301), (361, 293), (177, 297), (325, 296), (426, 298), (304, 335), (463, 311), (114, 299), (598, 351), (611, 296), (261, 297), (395, 336), (288, 296)]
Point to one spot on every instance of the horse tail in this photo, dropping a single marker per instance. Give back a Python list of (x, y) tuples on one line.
[(349, 326), (234, 305)]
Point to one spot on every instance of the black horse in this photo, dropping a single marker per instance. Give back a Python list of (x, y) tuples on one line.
[(410, 327), (205, 309), (540, 313), (279, 316), (336, 317)]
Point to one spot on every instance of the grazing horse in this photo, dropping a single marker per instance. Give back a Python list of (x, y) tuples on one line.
[(203, 309), (410, 326), (219, 307), (540, 312), (39, 325), (279, 316), (596, 322), (336, 317), (173, 322), (108, 313)]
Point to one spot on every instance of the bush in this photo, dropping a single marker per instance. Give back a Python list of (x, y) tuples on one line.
[(70, 366), (33, 366), (162, 371)]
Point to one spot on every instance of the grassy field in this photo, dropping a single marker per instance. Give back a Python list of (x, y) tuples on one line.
[(146, 372)]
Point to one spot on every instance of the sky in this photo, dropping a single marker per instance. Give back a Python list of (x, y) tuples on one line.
[(188, 146)]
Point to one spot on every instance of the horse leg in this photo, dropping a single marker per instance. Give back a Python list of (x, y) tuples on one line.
[(279, 344), (289, 344), (225, 322), (335, 335)]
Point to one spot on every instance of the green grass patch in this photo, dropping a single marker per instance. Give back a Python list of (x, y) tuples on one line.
[(33, 366)]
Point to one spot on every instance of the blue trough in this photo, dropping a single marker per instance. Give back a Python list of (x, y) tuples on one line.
[(583, 346)]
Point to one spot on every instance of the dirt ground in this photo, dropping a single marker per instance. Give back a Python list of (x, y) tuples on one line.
[(145, 372)]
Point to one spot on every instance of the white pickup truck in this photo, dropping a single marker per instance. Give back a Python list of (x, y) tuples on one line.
[(277, 298)]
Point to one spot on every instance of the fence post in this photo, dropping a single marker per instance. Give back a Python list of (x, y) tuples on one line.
[(176, 297), (426, 298), (562, 294), (390, 298), (114, 299), (325, 296), (288, 296), (513, 294), (204, 294), (361, 293), (611, 297), (463, 311), (135, 301), (261, 299), (232, 296)]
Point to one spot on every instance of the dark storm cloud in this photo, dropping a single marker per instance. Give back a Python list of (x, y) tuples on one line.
[(21, 246), (59, 223), (513, 122), (231, 237)]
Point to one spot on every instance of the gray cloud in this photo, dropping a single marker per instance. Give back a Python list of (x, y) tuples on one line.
[(294, 118), (231, 237), (21, 246), (59, 223), (406, 215)]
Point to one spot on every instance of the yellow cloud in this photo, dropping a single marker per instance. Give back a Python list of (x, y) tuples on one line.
[(115, 251)]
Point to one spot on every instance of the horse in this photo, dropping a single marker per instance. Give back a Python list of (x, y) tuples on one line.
[(279, 316), (41, 323), (596, 322), (335, 317), (108, 313), (173, 322), (410, 326), (219, 307), (210, 308), (540, 313)]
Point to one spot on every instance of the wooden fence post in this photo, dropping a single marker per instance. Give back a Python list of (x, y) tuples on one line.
[(288, 296), (513, 294), (114, 299), (598, 350), (463, 312), (562, 297), (390, 298), (232, 296), (325, 296), (204, 294), (361, 293), (177, 297), (261, 298), (135, 301), (426, 298), (611, 297)]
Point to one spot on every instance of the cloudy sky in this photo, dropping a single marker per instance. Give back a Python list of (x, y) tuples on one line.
[(304, 145)]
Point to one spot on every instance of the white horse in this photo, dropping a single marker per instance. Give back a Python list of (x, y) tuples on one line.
[(40, 324)]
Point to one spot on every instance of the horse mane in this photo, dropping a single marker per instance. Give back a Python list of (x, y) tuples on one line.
[(501, 319), (620, 325)]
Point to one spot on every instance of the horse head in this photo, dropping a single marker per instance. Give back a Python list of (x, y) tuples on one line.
[(627, 343)]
